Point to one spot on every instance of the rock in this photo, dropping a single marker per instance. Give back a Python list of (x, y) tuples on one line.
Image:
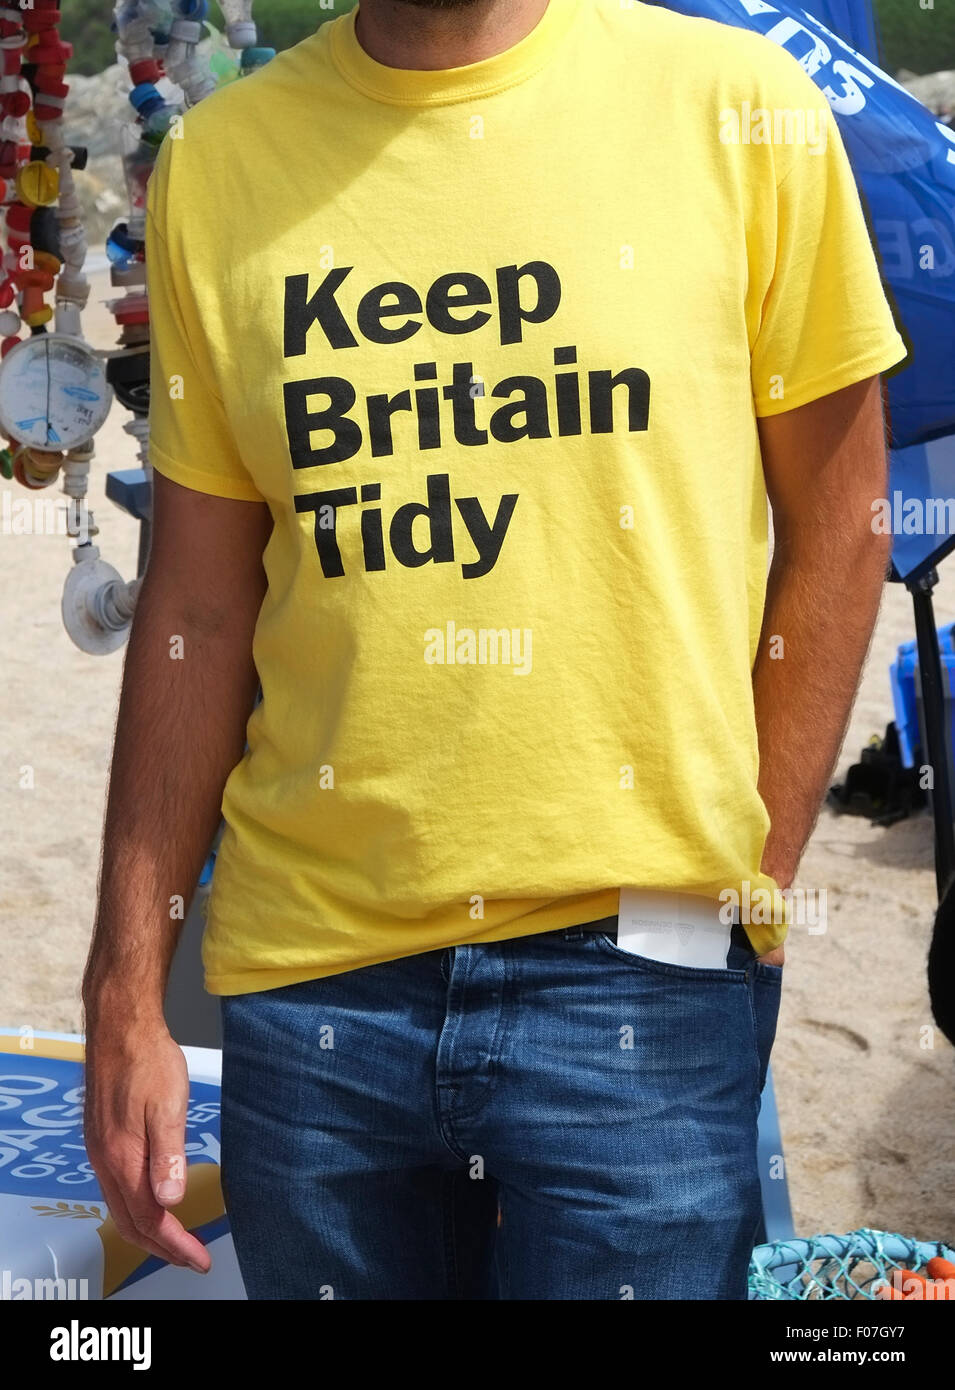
[(102, 193), (936, 90), (96, 110)]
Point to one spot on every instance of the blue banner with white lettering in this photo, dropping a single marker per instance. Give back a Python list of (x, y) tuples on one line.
[(904, 162), (852, 20)]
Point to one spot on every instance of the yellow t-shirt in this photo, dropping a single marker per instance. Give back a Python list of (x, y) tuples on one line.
[(491, 343)]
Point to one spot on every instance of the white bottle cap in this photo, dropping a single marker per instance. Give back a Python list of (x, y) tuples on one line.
[(242, 34)]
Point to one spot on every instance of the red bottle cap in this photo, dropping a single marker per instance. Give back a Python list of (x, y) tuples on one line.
[(43, 17), (49, 49), (51, 84), (131, 315), (144, 70), (18, 218), (16, 103), (47, 112)]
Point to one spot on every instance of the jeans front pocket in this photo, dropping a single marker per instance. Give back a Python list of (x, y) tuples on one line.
[(693, 1019), (725, 974)]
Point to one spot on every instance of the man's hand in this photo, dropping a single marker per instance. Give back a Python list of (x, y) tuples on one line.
[(137, 1092), (775, 957)]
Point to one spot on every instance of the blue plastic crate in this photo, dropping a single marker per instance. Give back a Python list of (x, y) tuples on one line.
[(907, 694)]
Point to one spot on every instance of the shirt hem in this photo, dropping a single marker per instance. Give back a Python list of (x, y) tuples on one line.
[(573, 914), (870, 363), (197, 481), (764, 938)]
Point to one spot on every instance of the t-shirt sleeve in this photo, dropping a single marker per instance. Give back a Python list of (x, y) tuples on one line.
[(190, 439), (825, 322)]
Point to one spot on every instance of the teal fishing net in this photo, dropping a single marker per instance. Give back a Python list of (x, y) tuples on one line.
[(829, 1266)]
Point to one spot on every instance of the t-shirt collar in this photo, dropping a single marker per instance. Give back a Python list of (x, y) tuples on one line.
[(417, 87)]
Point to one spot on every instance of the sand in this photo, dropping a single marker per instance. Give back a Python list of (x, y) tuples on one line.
[(864, 1082), (867, 1110)]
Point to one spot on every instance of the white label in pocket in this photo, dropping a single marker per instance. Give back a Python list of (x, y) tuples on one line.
[(677, 928)]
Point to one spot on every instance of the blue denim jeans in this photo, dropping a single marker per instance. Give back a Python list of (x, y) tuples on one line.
[(548, 1117)]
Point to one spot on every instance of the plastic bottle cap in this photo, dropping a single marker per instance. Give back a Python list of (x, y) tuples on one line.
[(17, 103), (46, 260), (38, 184), (46, 18), (146, 99), (186, 30), (42, 314), (36, 279), (242, 33), (257, 57), (144, 70), (19, 217)]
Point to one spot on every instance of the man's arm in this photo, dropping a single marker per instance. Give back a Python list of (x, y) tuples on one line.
[(189, 684), (824, 463)]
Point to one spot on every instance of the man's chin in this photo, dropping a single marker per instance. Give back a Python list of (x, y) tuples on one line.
[(439, 4)]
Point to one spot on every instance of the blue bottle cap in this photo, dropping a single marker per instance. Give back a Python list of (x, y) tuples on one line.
[(146, 99), (120, 246), (257, 57)]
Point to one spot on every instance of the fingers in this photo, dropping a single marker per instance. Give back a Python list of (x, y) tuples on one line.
[(167, 1160), (154, 1223), (135, 1125), (124, 1223), (166, 1142), (125, 1177)]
